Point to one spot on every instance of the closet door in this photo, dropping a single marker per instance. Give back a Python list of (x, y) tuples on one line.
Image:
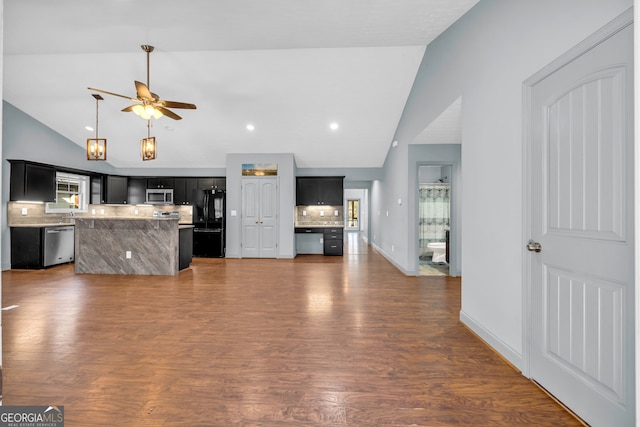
[(259, 217)]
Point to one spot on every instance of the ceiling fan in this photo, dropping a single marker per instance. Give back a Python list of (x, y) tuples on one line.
[(148, 104)]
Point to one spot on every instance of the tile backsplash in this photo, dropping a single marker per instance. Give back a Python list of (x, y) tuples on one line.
[(318, 214), (35, 213)]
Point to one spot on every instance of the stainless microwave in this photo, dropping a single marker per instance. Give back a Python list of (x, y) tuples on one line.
[(159, 196)]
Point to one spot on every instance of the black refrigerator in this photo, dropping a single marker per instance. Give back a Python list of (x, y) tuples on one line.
[(209, 224)]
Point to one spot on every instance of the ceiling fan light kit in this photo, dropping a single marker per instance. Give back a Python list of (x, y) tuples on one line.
[(97, 147), (148, 105)]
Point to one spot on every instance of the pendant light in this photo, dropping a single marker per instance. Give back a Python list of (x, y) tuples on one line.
[(148, 145), (97, 147)]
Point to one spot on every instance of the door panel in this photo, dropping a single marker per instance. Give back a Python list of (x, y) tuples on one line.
[(250, 218), (268, 218), (582, 282), (259, 217)]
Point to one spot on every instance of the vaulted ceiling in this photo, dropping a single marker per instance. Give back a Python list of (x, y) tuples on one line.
[(288, 67)]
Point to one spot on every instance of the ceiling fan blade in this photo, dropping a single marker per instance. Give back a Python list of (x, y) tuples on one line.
[(174, 104), (111, 93), (143, 91), (169, 113), (129, 108)]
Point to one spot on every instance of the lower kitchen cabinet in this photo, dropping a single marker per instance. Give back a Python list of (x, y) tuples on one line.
[(40, 247), (185, 247), (319, 240), (333, 241)]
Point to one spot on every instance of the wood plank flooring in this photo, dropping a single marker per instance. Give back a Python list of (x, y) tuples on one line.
[(313, 341)]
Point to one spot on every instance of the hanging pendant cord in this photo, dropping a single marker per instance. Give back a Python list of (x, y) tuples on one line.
[(97, 103)]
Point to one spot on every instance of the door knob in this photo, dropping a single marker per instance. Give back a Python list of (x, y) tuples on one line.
[(534, 246)]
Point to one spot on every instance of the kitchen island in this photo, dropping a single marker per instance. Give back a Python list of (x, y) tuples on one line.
[(128, 245)]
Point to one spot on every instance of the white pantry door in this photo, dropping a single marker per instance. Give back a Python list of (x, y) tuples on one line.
[(581, 214), (259, 217)]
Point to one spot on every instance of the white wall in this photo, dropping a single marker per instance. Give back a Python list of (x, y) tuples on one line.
[(484, 58)]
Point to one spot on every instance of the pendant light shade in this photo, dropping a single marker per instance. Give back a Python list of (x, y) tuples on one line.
[(148, 144), (148, 148), (97, 147)]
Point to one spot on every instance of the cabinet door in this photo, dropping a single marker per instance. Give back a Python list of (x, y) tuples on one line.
[(97, 189), (183, 191), (307, 191), (26, 247), (212, 183), (116, 189), (136, 193), (160, 182), (331, 191), (204, 183), (32, 182)]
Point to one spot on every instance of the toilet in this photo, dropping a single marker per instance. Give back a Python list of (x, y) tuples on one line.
[(439, 251)]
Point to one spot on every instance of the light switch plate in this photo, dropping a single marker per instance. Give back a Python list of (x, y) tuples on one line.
[(24, 211)]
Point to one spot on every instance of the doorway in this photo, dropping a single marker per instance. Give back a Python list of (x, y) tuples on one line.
[(434, 218), (353, 215)]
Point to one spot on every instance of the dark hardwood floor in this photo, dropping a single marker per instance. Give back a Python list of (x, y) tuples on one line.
[(313, 341)]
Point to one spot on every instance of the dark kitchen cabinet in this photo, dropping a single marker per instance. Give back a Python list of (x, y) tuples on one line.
[(312, 191), (32, 182), (26, 248), (160, 182), (185, 247), (136, 191), (212, 183), (115, 189), (40, 247), (97, 189), (333, 241), (184, 191)]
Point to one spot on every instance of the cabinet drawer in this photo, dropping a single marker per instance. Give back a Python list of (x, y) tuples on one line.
[(333, 236), (332, 246)]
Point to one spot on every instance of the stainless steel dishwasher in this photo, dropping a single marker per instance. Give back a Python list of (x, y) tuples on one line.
[(58, 245)]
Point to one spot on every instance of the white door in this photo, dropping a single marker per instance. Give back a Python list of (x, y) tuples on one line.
[(259, 217), (581, 214)]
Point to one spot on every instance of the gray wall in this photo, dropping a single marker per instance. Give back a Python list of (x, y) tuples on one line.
[(24, 138), (286, 201), (394, 205), (484, 58)]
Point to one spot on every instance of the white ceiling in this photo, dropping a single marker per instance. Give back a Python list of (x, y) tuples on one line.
[(290, 67)]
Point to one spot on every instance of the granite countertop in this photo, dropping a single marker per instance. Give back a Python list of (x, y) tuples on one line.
[(72, 222), (42, 224), (130, 218), (324, 224)]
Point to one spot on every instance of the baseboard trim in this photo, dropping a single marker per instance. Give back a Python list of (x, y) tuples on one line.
[(503, 350), (392, 261)]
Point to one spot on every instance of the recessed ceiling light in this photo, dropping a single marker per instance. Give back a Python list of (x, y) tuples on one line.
[(250, 127), (334, 126), (89, 128)]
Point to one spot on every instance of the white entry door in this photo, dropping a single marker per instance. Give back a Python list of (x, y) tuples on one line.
[(581, 218), (259, 217)]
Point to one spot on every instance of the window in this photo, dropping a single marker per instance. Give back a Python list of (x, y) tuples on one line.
[(71, 194)]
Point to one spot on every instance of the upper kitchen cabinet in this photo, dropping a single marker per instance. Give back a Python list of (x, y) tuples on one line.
[(216, 183), (136, 190), (116, 189), (160, 182), (184, 191), (325, 190), (32, 182)]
